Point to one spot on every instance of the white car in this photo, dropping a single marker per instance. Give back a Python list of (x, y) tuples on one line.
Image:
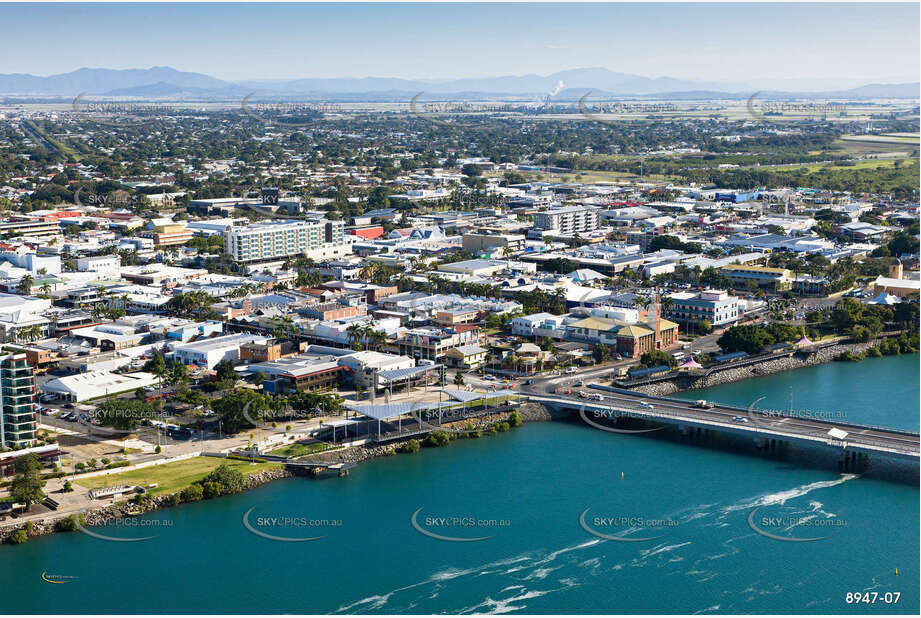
[(648, 406)]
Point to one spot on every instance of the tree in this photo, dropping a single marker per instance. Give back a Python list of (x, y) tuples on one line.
[(25, 285), (459, 379), (704, 326), (601, 353), (27, 481), (655, 358), (225, 371), (470, 170)]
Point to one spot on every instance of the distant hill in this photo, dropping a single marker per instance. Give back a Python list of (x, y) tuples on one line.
[(100, 81), (166, 82)]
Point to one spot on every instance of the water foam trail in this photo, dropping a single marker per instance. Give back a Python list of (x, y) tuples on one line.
[(781, 497), (379, 600)]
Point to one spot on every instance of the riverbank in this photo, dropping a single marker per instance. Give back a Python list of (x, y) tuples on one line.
[(768, 367), (96, 516)]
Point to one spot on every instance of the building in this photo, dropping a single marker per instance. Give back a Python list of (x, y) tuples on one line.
[(628, 340), (92, 384), (29, 227), (777, 279), (433, 343), (896, 283), (104, 265), (466, 356), (715, 306), (18, 422), (278, 240), (539, 325), (506, 244), (568, 220), (209, 352)]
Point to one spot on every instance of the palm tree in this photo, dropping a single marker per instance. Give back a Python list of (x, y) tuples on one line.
[(46, 288), (25, 284), (354, 332)]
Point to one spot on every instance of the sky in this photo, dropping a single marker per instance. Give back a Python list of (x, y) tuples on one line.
[(822, 44)]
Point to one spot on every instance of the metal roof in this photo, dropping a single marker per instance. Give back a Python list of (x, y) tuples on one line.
[(392, 375)]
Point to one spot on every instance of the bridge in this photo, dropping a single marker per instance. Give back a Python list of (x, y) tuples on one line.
[(606, 404)]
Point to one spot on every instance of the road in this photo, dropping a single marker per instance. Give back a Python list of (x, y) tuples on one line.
[(738, 420)]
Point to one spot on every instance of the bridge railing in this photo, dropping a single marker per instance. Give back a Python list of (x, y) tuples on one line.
[(624, 391)]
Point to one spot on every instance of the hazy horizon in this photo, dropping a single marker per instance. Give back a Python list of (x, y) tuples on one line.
[(768, 45)]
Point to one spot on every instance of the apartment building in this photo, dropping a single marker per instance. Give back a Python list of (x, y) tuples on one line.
[(568, 219), (715, 306), (270, 240), (433, 343), (18, 423)]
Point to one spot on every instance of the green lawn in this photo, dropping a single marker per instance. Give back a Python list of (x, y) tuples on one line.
[(171, 477), (299, 450)]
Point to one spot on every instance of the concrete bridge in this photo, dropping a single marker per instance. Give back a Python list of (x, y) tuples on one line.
[(625, 411)]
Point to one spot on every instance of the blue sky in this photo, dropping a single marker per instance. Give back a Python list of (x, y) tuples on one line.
[(755, 43)]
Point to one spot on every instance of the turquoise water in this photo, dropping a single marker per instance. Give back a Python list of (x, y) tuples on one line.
[(877, 391), (533, 483)]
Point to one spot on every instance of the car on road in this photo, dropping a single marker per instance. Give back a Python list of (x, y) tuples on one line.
[(529, 382), (582, 394), (648, 406), (703, 404), (69, 406), (596, 397), (739, 419)]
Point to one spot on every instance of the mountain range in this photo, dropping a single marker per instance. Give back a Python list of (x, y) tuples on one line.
[(166, 82)]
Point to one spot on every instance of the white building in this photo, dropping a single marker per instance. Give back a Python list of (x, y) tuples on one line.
[(210, 352), (539, 325), (568, 219), (105, 265), (83, 386), (269, 240)]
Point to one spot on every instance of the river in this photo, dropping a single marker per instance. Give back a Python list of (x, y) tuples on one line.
[(686, 509)]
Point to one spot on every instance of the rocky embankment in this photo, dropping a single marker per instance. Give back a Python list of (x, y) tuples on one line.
[(735, 374), (99, 515)]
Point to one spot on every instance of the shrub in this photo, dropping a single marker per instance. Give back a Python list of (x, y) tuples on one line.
[(412, 446), (438, 438), (192, 493), (68, 487), (503, 426), (174, 499), (80, 466), (19, 537), (225, 480), (848, 357), (118, 464), (106, 461), (159, 449), (515, 420), (212, 489), (69, 523)]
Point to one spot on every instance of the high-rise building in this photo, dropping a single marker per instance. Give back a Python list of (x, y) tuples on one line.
[(18, 423), (568, 219), (270, 240)]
